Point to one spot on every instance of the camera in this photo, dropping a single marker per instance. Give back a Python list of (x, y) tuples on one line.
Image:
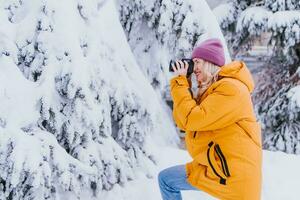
[(190, 68)]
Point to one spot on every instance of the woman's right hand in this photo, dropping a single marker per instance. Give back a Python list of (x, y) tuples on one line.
[(181, 68)]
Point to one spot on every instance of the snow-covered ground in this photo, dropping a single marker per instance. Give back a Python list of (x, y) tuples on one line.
[(281, 177)]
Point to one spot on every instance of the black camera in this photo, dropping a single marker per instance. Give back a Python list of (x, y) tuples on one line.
[(190, 68)]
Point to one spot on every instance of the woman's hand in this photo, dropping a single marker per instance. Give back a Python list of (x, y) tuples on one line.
[(181, 68)]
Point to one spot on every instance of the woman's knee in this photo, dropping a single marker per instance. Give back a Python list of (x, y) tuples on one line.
[(169, 173), (161, 176)]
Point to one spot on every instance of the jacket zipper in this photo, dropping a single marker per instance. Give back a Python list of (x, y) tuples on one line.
[(223, 160), (194, 134), (222, 180)]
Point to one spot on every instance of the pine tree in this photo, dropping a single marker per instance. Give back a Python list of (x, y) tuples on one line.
[(244, 23)]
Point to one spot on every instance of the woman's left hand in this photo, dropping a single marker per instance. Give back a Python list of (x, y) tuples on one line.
[(181, 68)]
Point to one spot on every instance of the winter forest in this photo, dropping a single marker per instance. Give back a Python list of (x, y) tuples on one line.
[(85, 106)]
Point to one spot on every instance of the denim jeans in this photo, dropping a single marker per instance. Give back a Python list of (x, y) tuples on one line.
[(171, 181)]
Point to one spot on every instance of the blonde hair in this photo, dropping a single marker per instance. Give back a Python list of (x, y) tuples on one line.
[(210, 74)]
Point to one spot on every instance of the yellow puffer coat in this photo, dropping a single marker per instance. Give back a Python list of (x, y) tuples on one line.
[(222, 134)]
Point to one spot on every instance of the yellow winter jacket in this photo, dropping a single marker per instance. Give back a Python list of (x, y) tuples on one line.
[(222, 134)]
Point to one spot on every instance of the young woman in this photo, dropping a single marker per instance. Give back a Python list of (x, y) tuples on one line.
[(223, 136)]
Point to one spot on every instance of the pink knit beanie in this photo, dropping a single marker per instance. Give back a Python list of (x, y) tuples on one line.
[(210, 50)]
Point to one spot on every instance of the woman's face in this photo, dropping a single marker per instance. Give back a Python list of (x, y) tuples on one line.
[(198, 71)]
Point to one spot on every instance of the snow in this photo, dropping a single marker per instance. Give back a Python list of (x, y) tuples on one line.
[(16, 98), (257, 20), (294, 95), (225, 14), (280, 178), (284, 18), (279, 5), (286, 23), (215, 3), (252, 18)]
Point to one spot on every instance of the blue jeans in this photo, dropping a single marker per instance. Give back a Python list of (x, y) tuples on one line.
[(171, 181)]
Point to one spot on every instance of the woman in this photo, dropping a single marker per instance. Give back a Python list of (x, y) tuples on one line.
[(222, 134)]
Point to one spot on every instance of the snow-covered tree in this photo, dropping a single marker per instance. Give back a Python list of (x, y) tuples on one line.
[(243, 22), (77, 114)]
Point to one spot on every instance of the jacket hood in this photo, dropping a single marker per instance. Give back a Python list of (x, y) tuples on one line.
[(238, 70)]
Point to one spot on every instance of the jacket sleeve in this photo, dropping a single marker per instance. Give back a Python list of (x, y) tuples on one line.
[(176, 119), (218, 110), (186, 83)]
